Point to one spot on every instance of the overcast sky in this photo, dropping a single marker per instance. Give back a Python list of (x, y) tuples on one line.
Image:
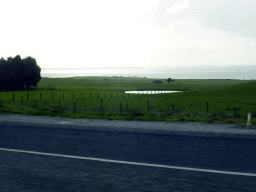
[(129, 33)]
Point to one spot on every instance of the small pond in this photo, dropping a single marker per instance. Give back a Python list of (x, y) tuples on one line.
[(150, 92)]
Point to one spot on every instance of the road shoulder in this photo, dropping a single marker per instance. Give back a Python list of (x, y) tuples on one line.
[(134, 126)]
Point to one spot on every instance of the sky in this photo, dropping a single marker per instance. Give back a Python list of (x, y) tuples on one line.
[(129, 33)]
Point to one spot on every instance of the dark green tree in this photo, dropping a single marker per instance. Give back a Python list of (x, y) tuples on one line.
[(17, 73), (3, 73), (33, 72)]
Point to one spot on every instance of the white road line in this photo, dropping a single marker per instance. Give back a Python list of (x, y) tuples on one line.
[(64, 122), (133, 163)]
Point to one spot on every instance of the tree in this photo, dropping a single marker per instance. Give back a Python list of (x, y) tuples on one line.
[(33, 72), (3, 73), (169, 80), (17, 73)]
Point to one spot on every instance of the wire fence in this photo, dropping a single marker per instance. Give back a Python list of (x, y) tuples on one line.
[(112, 102)]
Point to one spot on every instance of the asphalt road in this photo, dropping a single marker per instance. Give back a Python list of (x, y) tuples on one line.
[(56, 154)]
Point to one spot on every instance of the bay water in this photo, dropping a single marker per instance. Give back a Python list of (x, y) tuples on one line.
[(174, 72)]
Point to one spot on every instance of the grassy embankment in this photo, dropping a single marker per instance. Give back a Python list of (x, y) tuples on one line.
[(190, 105)]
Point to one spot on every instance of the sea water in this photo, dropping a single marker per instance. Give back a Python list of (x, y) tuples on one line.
[(174, 72)]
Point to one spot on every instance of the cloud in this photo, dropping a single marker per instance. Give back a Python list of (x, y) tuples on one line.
[(178, 7), (170, 11), (234, 16), (128, 33)]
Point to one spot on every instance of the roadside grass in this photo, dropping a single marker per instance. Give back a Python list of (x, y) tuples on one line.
[(223, 96), (128, 116)]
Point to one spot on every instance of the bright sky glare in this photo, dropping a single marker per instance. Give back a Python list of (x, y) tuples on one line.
[(129, 33)]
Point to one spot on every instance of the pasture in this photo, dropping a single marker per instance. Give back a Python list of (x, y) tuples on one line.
[(104, 97)]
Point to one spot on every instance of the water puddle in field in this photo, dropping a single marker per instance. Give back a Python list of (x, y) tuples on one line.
[(151, 92)]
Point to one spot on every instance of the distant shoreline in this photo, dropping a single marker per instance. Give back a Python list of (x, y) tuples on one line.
[(178, 72), (144, 78)]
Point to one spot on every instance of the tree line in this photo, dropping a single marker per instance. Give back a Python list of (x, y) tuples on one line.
[(18, 74)]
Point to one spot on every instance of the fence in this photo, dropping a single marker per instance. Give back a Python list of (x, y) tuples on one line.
[(115, 102)]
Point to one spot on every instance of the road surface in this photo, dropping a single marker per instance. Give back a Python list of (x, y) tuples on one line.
[(58, 154)]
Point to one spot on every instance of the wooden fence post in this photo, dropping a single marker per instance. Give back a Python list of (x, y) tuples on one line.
[(74, 107), (121, 108), (207, 107), (13, 96), (173, 107), (235, 112), (35, 104)]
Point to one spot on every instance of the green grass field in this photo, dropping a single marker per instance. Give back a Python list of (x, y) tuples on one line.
[(223, 96)]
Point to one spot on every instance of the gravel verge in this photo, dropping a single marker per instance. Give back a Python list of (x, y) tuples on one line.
[(133, 126)]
